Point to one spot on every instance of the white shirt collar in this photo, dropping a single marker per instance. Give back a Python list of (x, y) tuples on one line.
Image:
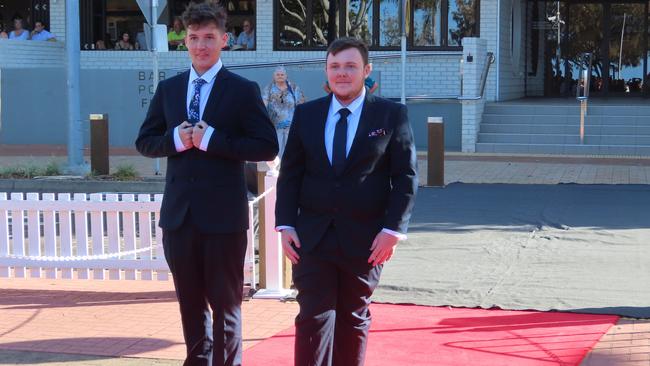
[(209, 75), (352, 107)]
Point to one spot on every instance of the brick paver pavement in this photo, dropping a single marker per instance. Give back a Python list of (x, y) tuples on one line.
[(112, 318)]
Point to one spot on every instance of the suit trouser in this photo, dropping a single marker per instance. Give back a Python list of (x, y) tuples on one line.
[(283, 136), (208, 274), (334, 295)]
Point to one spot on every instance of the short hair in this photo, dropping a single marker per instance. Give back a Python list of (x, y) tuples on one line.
[(205, 13), (345, 43), (42, 23)]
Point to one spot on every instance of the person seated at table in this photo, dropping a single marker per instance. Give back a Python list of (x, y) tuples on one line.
[(41, 34), (176, 36)]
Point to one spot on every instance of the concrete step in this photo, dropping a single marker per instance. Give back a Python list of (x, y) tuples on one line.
[(564, 129), (562, 149), (566, 119), (567, 109), (537, 138)]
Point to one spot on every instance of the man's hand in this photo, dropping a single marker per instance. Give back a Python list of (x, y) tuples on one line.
[(198, 132), (382, 248), (288, 237), (185, 132)]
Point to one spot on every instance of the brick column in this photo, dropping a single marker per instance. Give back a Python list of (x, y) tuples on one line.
[(57, 19), (474, 59)]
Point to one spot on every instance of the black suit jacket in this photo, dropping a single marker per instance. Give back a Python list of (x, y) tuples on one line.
[(209, 185), (376, 189)]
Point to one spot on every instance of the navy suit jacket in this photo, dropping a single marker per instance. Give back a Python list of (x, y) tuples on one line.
[(209, 185), (376, 189)]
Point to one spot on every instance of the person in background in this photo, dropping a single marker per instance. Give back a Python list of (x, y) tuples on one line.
[(231, 38), (176, 35), (41, 34), (246, 38), (4, 35), (124, 43), (281, 98), (19, 32)]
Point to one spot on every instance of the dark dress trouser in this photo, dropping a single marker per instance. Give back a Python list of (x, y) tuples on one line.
[(334, 295), (208, 271)]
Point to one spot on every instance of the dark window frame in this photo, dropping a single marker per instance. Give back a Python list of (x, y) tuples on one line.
[(342, 4)]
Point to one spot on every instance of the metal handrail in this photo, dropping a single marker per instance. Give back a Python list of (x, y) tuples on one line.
[(316, 61), (584, 77), (583, 82), (484, 74)]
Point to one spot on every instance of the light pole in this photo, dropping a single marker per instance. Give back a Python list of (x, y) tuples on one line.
[(76, 163)]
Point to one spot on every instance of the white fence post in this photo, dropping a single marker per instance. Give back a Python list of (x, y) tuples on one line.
[(49, 234), (34, 234), (274, 253), (162, 275), (113, 233), (18, 234), (81, 234), (144, 225), (4, 236), (65, 230), (97, 232), (128, 222)]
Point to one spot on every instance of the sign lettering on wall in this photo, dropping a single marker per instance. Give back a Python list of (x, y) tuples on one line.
[(145, 86)]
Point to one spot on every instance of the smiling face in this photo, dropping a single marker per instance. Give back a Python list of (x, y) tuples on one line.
[(204, 43), (346, 72)]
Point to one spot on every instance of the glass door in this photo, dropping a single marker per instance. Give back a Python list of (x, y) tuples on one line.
[(615, 34), (584, 35), (626, 49)]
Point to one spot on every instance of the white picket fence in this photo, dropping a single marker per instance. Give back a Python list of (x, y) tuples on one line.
[(114, 236)]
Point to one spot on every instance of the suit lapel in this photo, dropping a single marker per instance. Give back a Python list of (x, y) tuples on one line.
[(365, 124), (217, 92), (178, 92), (323, 111)]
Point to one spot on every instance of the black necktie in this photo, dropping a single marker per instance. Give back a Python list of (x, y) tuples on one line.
[(340, 141)]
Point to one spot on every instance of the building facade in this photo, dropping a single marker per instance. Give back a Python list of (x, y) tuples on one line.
[(538, 48)]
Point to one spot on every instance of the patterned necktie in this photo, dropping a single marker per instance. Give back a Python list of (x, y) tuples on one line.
[(340, 141), (194, 114)]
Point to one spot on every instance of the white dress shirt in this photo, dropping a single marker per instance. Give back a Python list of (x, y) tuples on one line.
[(355, 108), (209, 77), (353, 122)]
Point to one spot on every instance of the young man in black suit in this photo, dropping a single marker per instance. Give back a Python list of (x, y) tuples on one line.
[(207, 122), (346, 189)]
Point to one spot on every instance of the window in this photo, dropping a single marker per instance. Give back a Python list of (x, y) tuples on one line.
[(427, 22), (105, 21), (462, 20), (431, 24)]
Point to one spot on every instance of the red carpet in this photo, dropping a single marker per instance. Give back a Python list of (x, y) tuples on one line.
[(406, 335)]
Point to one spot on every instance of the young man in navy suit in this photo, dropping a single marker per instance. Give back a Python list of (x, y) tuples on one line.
[(207, 122), (346, 189)]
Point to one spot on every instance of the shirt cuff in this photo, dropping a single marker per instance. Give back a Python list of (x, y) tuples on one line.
[(283, 227), (177, 141), (205, 141), (399, 236)]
